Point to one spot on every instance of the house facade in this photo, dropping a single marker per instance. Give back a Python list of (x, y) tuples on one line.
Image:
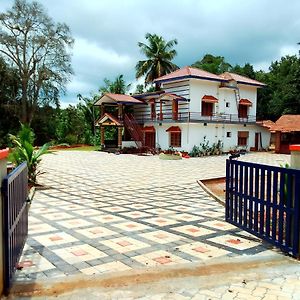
[(193, 106)]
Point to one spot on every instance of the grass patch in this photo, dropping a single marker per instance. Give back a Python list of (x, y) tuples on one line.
[(82, 148)]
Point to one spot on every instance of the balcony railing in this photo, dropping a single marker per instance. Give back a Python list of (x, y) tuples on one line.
[(192, 117)]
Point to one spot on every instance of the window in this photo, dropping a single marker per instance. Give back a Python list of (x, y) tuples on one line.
[(227, 104), (243, 111), (175, 139), (153, 112), (243, 138), (228, 134), (207, 109)]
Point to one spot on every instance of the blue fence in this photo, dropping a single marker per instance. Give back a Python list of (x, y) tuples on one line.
[(15, 220), (265, 201)]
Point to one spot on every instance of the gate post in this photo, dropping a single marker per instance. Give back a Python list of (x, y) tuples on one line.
[(3, 173), (295, 156), (295, 164)]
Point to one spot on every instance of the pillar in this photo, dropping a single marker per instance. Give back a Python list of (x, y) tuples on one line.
[(102, 131), (120, 129), (277, 141), (120, 111), (295, 156), (3, 173)]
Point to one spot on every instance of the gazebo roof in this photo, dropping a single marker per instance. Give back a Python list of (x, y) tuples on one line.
[(118, 99)]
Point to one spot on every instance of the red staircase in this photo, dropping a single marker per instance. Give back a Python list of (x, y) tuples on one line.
[(134, 129)]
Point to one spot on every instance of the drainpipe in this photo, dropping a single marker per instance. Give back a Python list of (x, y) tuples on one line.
[(3, 173)]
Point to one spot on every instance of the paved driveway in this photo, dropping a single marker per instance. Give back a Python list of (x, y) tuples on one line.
[(103, 213)]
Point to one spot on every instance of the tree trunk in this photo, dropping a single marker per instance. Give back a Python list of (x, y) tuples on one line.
[(23, 117)]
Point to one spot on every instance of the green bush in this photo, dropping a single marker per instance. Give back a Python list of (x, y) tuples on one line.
[(24, 152)]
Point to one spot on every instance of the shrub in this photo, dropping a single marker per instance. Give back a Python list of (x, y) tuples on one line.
[(24, 152)]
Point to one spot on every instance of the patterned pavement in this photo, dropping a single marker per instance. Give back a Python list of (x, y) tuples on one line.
[(102, 213)]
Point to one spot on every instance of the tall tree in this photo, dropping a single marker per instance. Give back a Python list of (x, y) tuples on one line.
[(39, 49), (212, 64), (118, 86), (247, 70), (159, 54), (284, 81), (9, 94)]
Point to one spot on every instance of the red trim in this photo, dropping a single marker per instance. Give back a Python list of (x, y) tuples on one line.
[(209, 99), (4, 153), (294, 147), (149, 129), (173, 129), (245, 102)]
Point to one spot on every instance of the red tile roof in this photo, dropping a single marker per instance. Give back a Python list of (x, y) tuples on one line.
[(245, 102), (119, 98), (209, 99), (241, 79), (266, 123), (189, 72), (174, 129), (287, 123)]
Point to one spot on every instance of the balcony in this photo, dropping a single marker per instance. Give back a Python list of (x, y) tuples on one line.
[(192, 117)]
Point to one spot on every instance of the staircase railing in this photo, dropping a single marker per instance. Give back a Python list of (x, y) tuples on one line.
[(134, 129)]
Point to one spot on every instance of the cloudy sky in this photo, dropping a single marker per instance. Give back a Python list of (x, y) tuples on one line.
[(106, 33)]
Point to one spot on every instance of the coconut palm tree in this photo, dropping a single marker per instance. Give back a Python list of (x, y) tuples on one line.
[(159, 54), (118, 86)]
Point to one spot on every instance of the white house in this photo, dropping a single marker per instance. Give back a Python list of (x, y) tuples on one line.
[(191, 105)]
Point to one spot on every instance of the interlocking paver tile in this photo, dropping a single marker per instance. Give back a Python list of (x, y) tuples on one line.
[(103, 213), (124, 244)]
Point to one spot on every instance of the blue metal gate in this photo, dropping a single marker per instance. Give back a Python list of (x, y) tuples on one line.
[(15, 220), (265, 201)]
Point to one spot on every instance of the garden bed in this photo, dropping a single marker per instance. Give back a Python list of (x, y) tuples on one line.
[(215, 187)]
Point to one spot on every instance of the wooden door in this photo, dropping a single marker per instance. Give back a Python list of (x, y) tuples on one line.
[(150, 139)]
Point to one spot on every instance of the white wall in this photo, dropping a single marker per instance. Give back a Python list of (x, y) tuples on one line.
[(249, 92), (198, 89), (194, 133)]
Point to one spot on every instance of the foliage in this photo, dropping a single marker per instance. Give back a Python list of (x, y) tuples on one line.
[(205, 149), (213, 64), (38, 49), (24, 152), (118, 86), (159, 55), (284, 82), (247, 70), (9, 92)]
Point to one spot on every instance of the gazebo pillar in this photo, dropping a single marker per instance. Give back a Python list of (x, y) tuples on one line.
[(102, 130), (120, 111), (102, 109), (120, 129)]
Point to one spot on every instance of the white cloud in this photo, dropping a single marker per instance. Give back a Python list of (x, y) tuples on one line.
[(107, 33)]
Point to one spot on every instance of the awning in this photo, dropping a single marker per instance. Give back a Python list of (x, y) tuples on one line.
[(209, 99), (171, 97), (245, 102), (243, 134), (148, 129), (174, 129)]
